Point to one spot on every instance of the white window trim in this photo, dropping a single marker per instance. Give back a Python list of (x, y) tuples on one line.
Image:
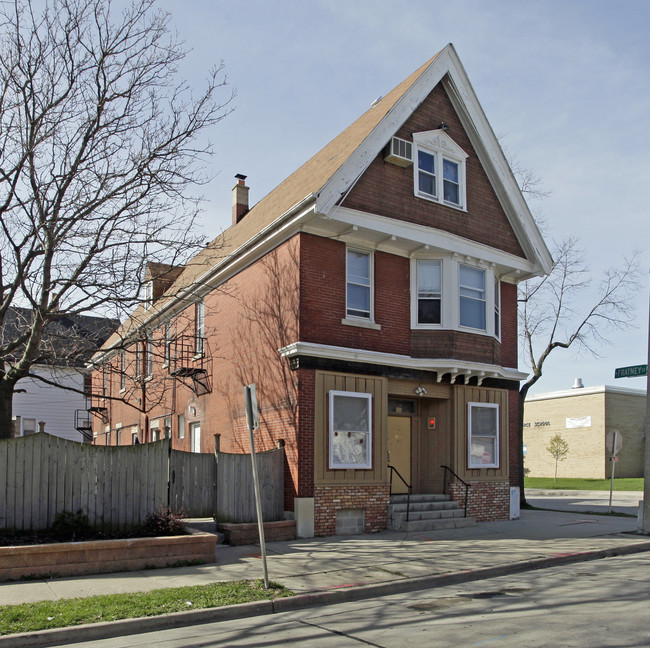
[(496, 302), (497, 439), (442, 147), (450, 292), (348, 319), (147, 294), (485, 300), (199, 328), (415, 296), (332, 464)]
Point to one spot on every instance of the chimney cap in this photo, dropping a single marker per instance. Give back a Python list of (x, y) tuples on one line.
[(240, 176), (578, 384)]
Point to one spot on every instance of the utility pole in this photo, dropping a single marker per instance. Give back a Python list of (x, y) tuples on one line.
[(646, 470)]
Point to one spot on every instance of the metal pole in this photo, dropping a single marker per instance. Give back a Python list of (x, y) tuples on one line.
[(646, 472), (258, 506), (611, 459), (250, 419)]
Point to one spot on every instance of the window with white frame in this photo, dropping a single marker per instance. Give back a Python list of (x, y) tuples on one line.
[(181, 426), (429, 291), (359, 284), (147, 294), (497, 308), (168, 343), (472, 297), (138, 361), (199, 323), (350, 430), (149, 358), (439, 169), (483, 435)]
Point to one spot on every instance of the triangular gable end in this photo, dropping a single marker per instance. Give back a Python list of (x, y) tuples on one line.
[(446, 69)]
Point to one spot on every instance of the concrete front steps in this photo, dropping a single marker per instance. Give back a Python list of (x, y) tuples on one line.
[(426, 513)]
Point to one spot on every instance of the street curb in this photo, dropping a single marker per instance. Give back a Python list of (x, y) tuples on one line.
[(107, 630)]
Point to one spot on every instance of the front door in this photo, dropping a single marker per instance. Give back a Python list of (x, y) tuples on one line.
[(195, 437), (399, 450), (432, 446)]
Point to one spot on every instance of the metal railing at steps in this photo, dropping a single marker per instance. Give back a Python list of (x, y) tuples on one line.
[(467, 486), (408, 486)]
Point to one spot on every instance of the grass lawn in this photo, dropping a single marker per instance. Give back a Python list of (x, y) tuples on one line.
[(628, 484), (30, 617)]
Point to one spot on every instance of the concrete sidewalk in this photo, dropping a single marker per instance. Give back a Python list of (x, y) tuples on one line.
[(334, 569)]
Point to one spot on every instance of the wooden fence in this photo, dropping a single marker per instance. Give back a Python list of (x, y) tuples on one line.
[(116, 486), (235, 491)]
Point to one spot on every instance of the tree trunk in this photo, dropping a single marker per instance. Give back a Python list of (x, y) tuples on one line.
[(520, 441), (6, 411)]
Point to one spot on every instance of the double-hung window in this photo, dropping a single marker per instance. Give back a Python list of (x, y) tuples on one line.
[(429, 292), (350, 430), (472, 297), (440, 169), (483, 435), (497, 308), (123, 370), (359, 284)]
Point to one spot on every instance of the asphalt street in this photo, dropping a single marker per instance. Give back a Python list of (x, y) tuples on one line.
[(584, 605)]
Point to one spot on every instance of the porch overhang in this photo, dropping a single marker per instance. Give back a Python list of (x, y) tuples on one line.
[(441, 366)]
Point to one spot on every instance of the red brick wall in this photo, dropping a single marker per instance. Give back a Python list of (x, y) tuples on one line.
[(488, 501), (455, 344), (322, 302), (509, 335), (484, 221), (330, 499)]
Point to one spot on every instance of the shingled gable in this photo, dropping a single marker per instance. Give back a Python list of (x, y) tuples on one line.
[(319, 185)]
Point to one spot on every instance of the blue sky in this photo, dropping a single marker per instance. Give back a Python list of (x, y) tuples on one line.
[(564, 84)]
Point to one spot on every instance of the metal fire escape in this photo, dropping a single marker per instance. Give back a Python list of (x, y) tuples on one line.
[(189, 362)]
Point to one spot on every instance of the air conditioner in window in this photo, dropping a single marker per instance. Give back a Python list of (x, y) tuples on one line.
[(399, 151)]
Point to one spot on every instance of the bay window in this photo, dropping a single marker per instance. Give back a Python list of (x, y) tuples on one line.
[(429, 292), (472, 297)]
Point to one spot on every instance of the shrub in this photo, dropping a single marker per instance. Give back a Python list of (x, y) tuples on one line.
[(165, 522), (69, 526)]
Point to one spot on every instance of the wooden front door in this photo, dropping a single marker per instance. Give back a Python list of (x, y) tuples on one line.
[(431, 446), (399, 450)]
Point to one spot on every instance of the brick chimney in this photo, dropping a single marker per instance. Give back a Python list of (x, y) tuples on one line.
[(239, 199)]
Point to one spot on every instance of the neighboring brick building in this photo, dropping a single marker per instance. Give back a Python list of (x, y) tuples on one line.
[(371, 297), (583, 416)]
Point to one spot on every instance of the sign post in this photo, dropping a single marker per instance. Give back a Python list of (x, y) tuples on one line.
[(253, 422), (614, 442)]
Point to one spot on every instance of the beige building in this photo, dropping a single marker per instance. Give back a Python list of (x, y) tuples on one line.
[(583, 416)]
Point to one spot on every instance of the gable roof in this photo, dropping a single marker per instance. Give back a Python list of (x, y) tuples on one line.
[(321, 182)]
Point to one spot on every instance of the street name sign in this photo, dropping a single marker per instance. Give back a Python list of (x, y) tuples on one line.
[(631, 372)]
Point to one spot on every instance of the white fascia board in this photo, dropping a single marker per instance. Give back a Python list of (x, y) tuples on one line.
[(439, 365), (436, 239), (490, 153), (481, 135), (358, 162)]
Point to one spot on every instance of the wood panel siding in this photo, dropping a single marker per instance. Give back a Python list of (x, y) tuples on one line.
[(377, 386)]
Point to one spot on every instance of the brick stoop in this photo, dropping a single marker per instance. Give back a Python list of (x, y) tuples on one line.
[(246, 533), (426, 513)]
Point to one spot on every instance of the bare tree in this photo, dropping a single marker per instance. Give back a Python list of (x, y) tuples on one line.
[(100, 147), (551, 315)]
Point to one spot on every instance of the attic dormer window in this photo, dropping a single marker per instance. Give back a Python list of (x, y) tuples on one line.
[(439, 169)]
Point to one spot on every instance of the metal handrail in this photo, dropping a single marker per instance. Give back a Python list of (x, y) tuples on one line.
[(467, 486), (408, 486)]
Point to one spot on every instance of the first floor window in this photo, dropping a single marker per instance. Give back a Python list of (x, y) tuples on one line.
[(429, 292), (483, 435), (358, 284), (350, 430), (472, 297)]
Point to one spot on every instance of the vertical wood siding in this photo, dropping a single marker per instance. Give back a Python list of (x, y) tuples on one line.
[(116, 486), (235, 490)]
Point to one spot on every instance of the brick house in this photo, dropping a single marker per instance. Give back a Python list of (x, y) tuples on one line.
[(372, 299)]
